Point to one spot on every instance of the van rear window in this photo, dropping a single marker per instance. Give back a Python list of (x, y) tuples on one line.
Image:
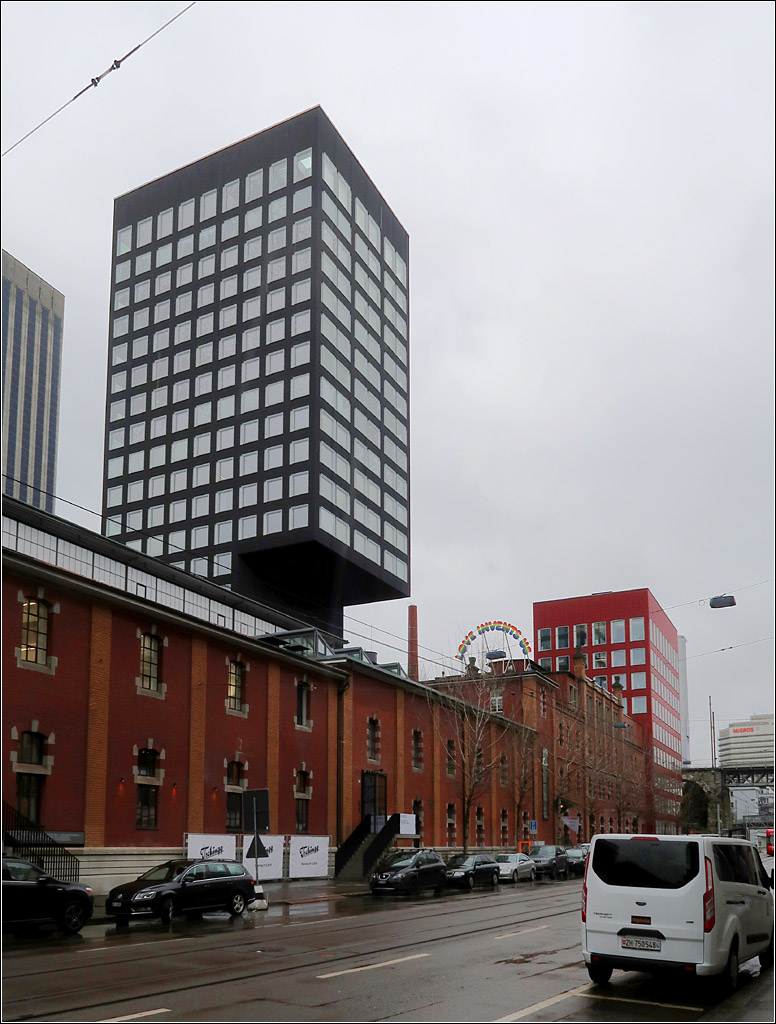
[(646, 863)]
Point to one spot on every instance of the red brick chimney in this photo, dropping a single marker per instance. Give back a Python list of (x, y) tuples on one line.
[(412, 643), (579, 664)]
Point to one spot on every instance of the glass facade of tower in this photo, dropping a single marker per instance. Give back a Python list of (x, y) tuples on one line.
[(257, 423)]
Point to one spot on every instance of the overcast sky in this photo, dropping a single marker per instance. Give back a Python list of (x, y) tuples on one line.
[(588, 190)]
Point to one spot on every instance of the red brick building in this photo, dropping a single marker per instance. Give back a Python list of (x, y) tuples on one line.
[(140, 701)]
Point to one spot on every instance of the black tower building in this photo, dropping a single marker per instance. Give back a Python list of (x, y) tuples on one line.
[(257, 422)]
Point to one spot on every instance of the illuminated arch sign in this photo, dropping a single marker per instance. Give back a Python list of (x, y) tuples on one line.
[(488, 627)]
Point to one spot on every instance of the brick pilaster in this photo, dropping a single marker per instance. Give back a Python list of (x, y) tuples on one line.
[(97, 727), (348, 782), (440, 759), (197, 709), (273, 745), (331, 781), (401, 765), (495, 788)]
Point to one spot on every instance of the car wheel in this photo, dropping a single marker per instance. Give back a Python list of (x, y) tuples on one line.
[(766, 957), (73, 917), (599, 973), (514, 877), (469, 881), (439, 888), (729, 977), (414, 887), (554, 873), (236, 904), (533, 875), (494, 880), (166, 910)]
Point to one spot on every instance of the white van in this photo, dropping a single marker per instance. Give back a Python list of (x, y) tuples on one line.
[(699, 904)]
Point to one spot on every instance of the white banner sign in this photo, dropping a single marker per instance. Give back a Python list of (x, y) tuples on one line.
[(269, 864), (308, 857), (201, 845), (571, 823), (407, 825)]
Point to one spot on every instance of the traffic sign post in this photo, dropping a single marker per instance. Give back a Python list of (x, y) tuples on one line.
[(533, 828)]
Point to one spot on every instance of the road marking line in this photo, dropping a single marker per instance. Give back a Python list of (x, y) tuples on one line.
[(371, 967), (134, 1016), (644, 1002), (125, 946), (540, 1006), (508, 935)]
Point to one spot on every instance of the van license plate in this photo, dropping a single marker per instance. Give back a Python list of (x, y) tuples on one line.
[(651, 944)]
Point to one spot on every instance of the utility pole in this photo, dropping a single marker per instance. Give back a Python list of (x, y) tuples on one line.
[(714, 763)]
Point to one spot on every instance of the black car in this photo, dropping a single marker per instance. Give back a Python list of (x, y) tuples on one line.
[(409, 871), (472, 869), (577, 859), (550, 861), (30, 896), (183, 887)]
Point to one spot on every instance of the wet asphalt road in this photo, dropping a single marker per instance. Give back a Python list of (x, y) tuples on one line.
[(512, 953)]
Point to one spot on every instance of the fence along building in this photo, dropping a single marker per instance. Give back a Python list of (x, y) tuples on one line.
[(257, 422)]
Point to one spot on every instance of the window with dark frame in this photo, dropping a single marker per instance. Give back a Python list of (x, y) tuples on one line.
[(302, 704), (146, 794), (146, 807), (372, 735), (31, 748), (35, 631), (451, 759), (150, 659), (234, 691), (302, 802), (234, 800), (417, 749)]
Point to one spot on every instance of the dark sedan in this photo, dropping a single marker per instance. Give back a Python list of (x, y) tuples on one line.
[(409, 871), (183, 887), (30, 896), (550, 861), (577, 859), (473, 869)]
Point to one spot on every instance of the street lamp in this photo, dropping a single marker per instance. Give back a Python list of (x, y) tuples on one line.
[(722, 601)]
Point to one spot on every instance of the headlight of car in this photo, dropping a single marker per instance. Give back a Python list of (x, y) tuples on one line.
[(144, 896)]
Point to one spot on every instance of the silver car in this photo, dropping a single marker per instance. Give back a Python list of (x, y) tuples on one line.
[(513, 867)]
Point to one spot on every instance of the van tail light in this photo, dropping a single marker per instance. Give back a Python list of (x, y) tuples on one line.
[(584, 890), (709, 916)]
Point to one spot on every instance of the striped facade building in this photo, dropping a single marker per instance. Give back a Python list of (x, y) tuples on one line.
[(33, 314)]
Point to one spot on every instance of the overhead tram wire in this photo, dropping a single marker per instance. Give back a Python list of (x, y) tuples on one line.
[(96, 81), (449, 659), (702, 600)]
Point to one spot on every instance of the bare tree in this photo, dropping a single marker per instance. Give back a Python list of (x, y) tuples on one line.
[(472, 731)]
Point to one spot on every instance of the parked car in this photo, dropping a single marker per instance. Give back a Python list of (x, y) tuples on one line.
[(409, 871), (472, 869), (550, 861), (576, 857), (30, 896), (699, 904), (514, 866), (183, 887)]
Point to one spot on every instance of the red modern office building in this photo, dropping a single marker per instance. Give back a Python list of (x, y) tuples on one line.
[(626, 638)]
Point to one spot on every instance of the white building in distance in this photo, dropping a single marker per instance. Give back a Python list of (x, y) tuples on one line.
[(747, 744)]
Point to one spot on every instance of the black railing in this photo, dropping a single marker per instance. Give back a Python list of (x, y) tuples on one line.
[(21, 838), (352, 843), (381, 842)]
